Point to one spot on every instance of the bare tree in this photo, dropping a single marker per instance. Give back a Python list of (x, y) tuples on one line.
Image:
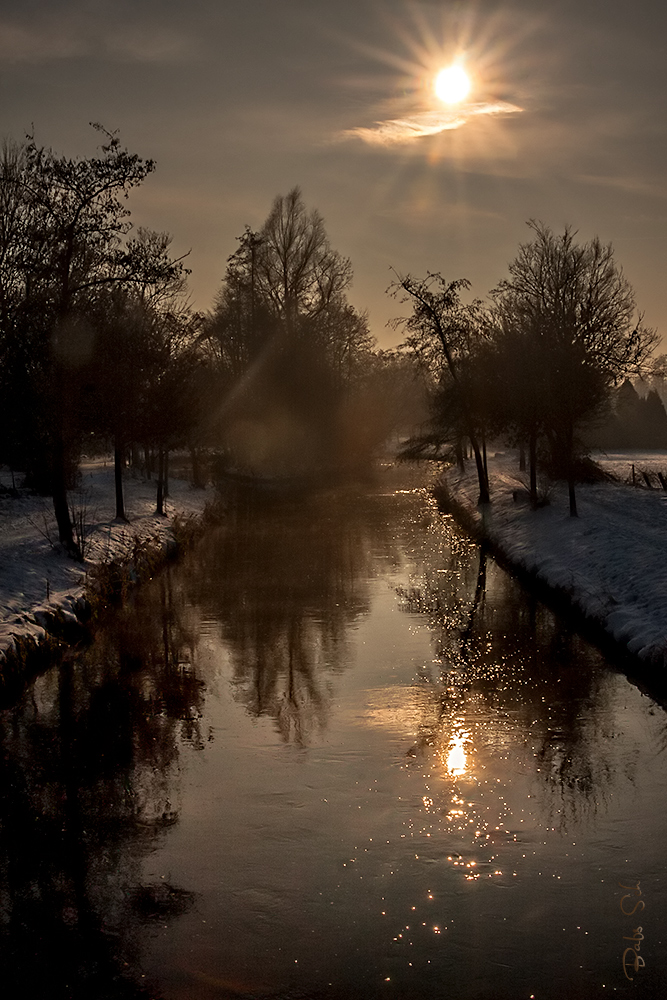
[(71, 245), (242, 323), (288, 344), (297, 271), (442, 332), (575, 311)]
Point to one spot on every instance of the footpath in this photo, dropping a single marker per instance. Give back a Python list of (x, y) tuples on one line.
[(609, 563), (40, 587)]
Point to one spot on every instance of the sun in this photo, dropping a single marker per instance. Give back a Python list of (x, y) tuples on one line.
[(452, 84)]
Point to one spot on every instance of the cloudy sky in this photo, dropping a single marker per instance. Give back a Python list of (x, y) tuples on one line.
[(240, 100)]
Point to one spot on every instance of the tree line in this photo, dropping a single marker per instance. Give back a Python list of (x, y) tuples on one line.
[(537, 365), (98, 342), (91, 321), (632, 420)]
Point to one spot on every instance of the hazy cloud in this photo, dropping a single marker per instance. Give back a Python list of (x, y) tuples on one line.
[(397, 130), (67, 38), (19, 43), (150, 45), (626, 184)]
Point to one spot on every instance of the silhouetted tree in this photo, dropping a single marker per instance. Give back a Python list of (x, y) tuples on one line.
[(113, 381), (67, 241), (81, 221), (138, 379), (631, 421), (24, 426), (444, 333), (290, 348), (298, 273), (242, 329), (516, 376), (574, 309), (654, 421)]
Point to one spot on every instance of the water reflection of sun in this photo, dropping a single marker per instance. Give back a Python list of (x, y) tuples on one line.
[(465, 808), (456, 758)]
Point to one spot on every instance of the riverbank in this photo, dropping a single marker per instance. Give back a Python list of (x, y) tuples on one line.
[(608, 564), (43, 593)]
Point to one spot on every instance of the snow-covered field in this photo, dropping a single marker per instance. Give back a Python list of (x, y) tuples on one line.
[(622, 463), (611, 560), (37, 579)]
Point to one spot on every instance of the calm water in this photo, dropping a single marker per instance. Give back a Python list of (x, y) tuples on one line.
[(336, 753)]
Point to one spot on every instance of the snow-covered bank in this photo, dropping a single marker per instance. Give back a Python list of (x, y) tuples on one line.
[(609, 562), (37, 581)]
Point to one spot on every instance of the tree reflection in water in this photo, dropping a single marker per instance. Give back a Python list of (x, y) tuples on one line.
[(89, 756), (554, 691), (285, 578), (87, 783)]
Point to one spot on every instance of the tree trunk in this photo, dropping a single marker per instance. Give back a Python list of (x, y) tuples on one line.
[(568, 440), (572, 495), (165, 474), (196, 468), (484, 496), (460, 460), (160, 484), (58, 465), (532, 447), (118, 479), (147, 461), (60, 505), (522, 457)]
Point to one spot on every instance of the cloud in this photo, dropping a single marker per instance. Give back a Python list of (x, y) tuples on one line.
[(24, 44), (150, 44), (416, 126), (625, 183), (69, 38)]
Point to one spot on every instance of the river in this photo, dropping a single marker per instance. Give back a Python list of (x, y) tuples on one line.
[(335, 752)]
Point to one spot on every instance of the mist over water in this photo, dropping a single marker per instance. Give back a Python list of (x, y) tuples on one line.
[(336, 752)]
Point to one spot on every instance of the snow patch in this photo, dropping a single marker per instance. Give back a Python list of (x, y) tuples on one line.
[(610, 560), (38, 581)]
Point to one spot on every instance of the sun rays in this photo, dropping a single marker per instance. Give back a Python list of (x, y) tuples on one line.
[(447, 77)]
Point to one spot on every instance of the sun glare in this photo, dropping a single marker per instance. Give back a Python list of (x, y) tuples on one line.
[(452, 84), (456, 757)]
